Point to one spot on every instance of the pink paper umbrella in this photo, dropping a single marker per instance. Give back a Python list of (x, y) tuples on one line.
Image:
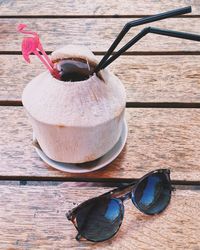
[(32, 45)]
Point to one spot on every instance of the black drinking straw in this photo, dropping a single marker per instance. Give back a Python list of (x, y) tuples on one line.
[(145, 31), (141, 21)]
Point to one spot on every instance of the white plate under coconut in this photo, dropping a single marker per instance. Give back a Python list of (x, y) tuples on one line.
[(88, 166)]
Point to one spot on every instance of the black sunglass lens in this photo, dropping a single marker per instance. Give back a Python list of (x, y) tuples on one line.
[(152, 195), (99, 219)]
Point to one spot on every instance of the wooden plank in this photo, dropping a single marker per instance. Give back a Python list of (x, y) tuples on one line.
[(146, 78), (157, 138), (97, 34), (94, 8), (33, 217)]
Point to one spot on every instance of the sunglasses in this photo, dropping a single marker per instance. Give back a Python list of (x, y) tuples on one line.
[(99, 219)]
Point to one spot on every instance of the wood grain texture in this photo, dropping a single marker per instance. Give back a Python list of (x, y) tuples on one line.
[(97, 34), (96, 7), (146, 78), (37, 221), (157, 138)]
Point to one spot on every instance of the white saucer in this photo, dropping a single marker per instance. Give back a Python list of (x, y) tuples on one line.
[(88, 166)]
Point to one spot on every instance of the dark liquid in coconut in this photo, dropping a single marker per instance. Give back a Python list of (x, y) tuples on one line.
[(74, 70)]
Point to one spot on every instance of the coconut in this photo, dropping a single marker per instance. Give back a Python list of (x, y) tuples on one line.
[(75, 122)]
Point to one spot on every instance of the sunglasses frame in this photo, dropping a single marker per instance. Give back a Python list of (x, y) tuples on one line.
[(118, 194)]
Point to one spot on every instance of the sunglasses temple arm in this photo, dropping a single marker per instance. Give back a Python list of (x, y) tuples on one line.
[(145, 31), (141, 21)]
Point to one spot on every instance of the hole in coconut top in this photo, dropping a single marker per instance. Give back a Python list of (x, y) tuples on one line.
[(74, 69)]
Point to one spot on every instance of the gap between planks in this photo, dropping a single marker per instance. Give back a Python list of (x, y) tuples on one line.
[(88, 16), (23, 180), (129, 53), (175, 105)]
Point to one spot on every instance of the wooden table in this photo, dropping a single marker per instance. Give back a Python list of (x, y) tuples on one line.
[(162, 80)]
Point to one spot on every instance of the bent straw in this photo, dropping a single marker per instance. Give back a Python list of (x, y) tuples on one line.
[(141, 21), (145, 31)]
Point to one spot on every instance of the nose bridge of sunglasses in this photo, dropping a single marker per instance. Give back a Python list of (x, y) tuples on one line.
[(126, 196), (123, 193)]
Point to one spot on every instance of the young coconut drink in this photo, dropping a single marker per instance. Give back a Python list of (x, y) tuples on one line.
[(76, 114), (77, 108)]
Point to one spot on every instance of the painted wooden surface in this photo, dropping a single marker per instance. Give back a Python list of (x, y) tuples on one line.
[(98, 34), (93, 8), (34, 218), (157, 138), (156, 70), (146, 78)]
